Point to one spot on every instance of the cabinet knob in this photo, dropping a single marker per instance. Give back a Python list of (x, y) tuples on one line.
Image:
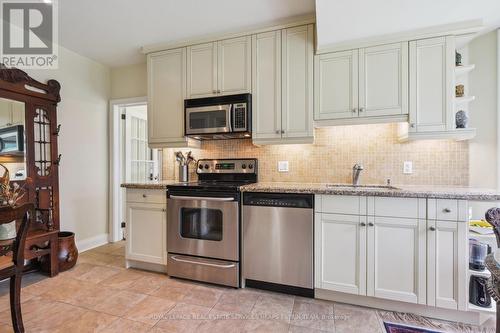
[(432, 228), (144, 195), (447, 210), (363, 224), (277, 131), (214, 91), (163, 210), (282, 132), (361, 109), (218, 91), (354, 110), (412, 125), (371, 224)]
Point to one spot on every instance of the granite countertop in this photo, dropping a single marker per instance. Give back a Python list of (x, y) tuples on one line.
[(152, 185), (436, 192)]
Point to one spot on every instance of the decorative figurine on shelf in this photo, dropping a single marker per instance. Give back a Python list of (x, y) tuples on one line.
[(461, 119), (458, 59), (459, 90), (9, 196)]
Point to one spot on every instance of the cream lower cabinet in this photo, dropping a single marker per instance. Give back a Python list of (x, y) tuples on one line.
[(146, 227), (166, 93), (282, 86), (396, 261), (360, 249)]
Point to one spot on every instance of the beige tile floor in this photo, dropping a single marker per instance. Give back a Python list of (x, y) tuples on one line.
[(100, 295)]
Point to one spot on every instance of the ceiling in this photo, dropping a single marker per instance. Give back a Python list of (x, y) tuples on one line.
[(113, 31), (340, 21)]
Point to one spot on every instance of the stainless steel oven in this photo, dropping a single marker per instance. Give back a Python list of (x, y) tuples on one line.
[(204, 226), (222, 117), (203, 230)]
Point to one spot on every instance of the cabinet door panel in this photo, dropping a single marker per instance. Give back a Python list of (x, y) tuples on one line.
[(297, 82), (166, 93), (266, 85), (396, 259), (343, 253), (146, 232), (430, 77), (234, 65), (336, 85), (383, 80), (444, 264), (202, 70)]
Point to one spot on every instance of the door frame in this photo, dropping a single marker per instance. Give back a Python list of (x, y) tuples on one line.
[(116, 158)]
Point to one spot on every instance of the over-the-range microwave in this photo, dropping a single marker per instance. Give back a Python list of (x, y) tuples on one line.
[(220, 117), (12, 140)]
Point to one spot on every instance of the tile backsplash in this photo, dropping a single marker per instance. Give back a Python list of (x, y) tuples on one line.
[(337, 149)]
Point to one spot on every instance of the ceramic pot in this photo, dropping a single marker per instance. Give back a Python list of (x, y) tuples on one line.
[(68, 253)]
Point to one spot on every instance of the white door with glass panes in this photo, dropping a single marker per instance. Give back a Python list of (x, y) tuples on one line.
[(141, 162)]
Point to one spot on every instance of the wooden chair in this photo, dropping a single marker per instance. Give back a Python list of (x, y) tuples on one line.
[(12, 258)]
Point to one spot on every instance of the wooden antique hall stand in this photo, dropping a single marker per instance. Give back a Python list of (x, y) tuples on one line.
[(41, 161)]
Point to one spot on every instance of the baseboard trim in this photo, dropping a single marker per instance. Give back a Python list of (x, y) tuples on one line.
[(467, 317), (91, 242)]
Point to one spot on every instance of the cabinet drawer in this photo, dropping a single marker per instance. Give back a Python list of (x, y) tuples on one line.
[(447, 210), (343, 204), (146, 196), (396, 207)]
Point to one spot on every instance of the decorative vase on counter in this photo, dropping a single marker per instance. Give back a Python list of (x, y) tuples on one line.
[(67, 253)]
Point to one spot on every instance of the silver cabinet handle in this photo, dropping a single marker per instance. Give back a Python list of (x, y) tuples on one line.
[(354, 110), (144, 195), (432, 228), (447, 210), (176, 258), (178, 197), (218, 91), (277, 131), (363, 224), (214, 91), (163, 209), (371, 224), (282, 132)]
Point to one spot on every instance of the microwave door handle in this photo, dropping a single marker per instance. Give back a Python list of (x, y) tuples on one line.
[(230, 118)]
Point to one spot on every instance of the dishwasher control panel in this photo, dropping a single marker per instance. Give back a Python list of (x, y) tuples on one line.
[(285, 200)]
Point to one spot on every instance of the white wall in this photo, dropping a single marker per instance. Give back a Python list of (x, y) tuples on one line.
[(129, 81), (483, 113), (339, 21), (83, 142)]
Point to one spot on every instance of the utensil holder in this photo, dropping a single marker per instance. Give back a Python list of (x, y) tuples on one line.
[(183, 173)]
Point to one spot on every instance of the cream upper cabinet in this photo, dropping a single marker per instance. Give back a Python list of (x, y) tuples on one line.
[(383, 80), (431, 84), (219, 68), (234, 65), (166, 93), (396, 250), (297, 82), (202, 70), (336, 88), (266, 85), (282, 84), (362, 85), (11, 113)]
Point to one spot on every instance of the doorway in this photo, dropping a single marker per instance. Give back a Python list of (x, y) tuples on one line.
[(131, 158)]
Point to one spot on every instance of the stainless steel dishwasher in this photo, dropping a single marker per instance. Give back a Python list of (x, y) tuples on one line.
[(278, 242)]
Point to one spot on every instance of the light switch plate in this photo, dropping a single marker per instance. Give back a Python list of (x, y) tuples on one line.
[(283, 166), (408, 167)]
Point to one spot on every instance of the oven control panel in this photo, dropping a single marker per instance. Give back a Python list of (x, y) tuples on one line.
[(227, 166)]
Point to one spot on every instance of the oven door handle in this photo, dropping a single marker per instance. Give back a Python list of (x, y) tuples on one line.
[(200, 198), (176, 258)]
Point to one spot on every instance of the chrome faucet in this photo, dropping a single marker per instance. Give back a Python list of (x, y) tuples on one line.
[(356, 171)]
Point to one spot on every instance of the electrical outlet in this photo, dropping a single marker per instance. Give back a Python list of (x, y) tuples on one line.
[(283, 166), (408, 167)]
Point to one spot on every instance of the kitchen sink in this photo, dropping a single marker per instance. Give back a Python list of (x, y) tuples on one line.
[(363, 187)]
